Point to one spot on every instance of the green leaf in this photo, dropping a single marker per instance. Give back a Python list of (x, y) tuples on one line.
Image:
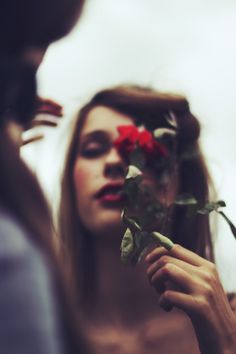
[(127, 246), (171, 119), (130, 222), (153, 212), (221, 203), (142, 241), (211, 206), (137, 158), (160, 132), (132, 190), (144, 252), (133, 172), (162, 240), (185, 199)]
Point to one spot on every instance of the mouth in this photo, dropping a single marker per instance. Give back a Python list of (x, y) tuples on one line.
[(111, 194)]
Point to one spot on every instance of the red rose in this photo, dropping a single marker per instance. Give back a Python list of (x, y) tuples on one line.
[(126, 142), (144, 138), (150, 146), (130, 137)]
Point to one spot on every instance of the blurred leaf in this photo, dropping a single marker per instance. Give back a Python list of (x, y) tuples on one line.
[(137, 158), (211, 206), (221, 203), (132, 191), (185, 199), (171, 119), (130, 222), (145, 250), (127, 246), (162, 240), (142, 240), (133, 172), (160, 132)]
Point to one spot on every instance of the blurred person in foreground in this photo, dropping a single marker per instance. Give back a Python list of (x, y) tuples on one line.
[(35, 314)]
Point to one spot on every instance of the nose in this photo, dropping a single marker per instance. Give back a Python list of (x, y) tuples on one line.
[(115, 165)]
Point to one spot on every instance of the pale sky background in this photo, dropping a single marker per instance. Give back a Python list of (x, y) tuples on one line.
[(186, 46)]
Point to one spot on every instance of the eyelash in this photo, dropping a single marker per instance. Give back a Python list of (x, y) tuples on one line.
[(93, 151)]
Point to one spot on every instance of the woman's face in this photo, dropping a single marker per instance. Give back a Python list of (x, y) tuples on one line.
[(99, 172)]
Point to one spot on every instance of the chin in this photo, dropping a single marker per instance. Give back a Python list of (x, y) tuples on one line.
[(110, 228), (110, 217)]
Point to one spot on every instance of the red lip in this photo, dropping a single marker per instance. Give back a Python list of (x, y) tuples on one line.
[(111, 193)]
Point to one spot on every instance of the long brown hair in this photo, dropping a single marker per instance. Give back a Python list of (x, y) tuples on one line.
[(150, 107)]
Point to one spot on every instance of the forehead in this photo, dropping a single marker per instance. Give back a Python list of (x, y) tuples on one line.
[(103, 118)]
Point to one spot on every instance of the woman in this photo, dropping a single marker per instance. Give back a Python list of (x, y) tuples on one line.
[(120, 313), (35, 315)]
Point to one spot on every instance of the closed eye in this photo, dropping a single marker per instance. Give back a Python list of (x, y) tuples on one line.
[(93, 149), (95, 144)]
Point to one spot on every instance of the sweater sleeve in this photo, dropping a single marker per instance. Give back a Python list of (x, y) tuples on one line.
[(29, 320)]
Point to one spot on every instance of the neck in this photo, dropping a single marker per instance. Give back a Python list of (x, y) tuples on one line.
[(121, 289)]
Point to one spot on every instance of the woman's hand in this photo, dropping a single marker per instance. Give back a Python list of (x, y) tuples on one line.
[(191, 283), (47, 114)]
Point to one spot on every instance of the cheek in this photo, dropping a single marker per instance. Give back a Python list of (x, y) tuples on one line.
[(82, 177)]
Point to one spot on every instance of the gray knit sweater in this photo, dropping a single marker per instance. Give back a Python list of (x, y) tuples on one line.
[(29, 320)]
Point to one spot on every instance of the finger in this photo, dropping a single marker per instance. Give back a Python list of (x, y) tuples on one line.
[(178, 252), (166, 259), (172, 298), (49, 106), (170, 272), (188, 256), (49, 121), (32, 139), (156, 253)]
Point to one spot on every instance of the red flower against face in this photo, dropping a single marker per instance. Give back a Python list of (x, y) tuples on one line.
[(127, 141), (144, 137), (130, 138)]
